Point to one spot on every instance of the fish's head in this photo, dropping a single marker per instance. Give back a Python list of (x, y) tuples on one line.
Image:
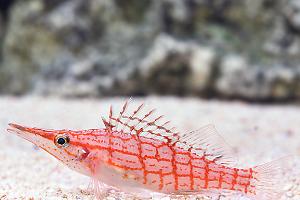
[(59, 143)]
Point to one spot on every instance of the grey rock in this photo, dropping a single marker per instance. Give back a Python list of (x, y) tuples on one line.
[(283, 43), (291, 12), (101, 47), (283, 39), (238, 78), (74, 40), (24, 47), (182, 67)]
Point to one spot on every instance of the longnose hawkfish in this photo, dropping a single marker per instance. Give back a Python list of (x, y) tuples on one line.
[(137, 152)]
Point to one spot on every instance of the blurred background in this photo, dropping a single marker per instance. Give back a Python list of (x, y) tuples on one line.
[(247, 49)]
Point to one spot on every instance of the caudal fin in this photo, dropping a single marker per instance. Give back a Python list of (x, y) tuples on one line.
[(268, 179)]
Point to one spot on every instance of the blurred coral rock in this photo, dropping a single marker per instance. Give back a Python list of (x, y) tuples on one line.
[(177, 67), (79, 48), (239, 78)]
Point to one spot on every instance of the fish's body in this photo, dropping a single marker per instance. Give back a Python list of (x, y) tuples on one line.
[(135, 153), (164, 168)]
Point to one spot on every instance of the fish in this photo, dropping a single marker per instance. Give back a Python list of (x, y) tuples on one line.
[(138, 152)]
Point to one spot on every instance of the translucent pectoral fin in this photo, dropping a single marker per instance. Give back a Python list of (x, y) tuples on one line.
[(99, 188), (96, 185)]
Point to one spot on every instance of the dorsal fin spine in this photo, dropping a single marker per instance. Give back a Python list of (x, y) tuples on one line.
[(139, 120), (145, 117), (123, 111), (110, 114), (106, 124), (134, 113)]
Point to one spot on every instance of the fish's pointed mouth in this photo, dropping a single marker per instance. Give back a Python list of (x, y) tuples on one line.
[(22, 132), (39, 137), (15, 127), (26, 132)]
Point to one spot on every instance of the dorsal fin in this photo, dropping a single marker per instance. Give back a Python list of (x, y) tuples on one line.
[(142, 122), (207, 142)]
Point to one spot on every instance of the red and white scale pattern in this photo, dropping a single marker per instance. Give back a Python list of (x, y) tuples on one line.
[(161, 160)]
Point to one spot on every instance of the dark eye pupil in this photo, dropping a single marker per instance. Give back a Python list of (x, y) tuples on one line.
[(61, 141)]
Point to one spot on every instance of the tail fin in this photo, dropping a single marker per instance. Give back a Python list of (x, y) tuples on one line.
[(268, 179)]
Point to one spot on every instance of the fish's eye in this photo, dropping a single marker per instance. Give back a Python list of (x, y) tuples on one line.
[(62, 140)]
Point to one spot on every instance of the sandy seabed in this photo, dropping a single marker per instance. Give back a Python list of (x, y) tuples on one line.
[(257, 134)]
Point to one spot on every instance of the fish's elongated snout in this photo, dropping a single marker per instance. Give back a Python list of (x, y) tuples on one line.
[(27, 132), (13, 127)]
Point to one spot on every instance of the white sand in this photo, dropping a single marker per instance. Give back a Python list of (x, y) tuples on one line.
[(257, 133)]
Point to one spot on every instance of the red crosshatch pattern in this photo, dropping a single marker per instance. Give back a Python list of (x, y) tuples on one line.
[(165, 166), (184, 173)]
